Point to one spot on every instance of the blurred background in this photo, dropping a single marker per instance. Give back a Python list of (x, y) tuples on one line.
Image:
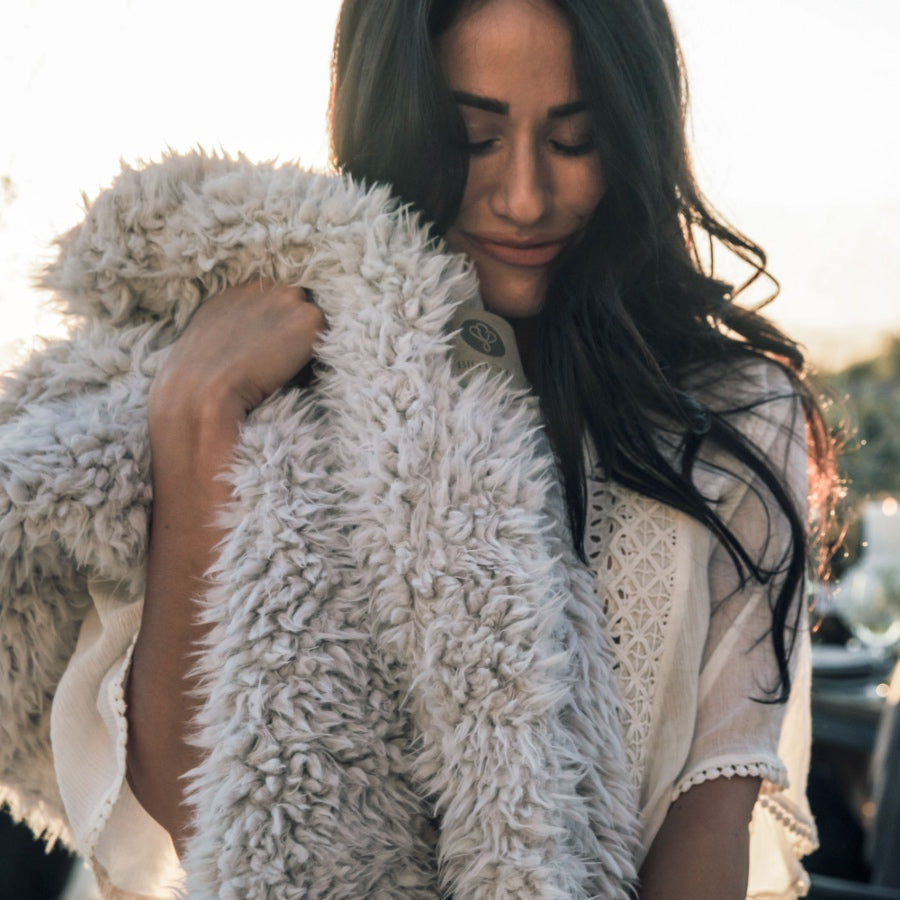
[(796, 141)]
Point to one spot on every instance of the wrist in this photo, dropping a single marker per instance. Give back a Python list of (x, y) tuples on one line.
[(189, 420)]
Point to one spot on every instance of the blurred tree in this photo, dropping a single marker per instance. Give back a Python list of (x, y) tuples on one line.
[(870, 392)]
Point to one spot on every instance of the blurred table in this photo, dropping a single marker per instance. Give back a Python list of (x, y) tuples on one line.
[(848, 695)]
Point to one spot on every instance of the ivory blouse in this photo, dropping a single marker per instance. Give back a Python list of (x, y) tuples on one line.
[(692, 661)]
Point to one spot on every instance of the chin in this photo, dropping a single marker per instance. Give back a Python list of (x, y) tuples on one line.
[(514, 298)]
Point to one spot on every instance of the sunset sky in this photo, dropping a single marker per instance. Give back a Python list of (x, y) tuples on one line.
[(795, 130)]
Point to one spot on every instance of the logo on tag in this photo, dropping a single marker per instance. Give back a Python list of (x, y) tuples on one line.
[(481, 337)]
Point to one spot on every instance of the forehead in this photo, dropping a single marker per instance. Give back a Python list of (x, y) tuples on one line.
[(504, 48)]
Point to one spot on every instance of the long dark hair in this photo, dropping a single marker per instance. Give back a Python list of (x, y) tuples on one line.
[(639, 295)]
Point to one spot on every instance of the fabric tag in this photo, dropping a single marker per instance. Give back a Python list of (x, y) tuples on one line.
[(484, 338)]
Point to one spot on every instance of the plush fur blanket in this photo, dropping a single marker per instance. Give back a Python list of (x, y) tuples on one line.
[(408, 692)]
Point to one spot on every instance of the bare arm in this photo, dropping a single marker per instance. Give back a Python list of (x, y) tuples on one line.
[(240, 347), (703, 847)]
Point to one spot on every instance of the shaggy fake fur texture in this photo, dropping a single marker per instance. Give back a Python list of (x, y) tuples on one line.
[(407, 690)]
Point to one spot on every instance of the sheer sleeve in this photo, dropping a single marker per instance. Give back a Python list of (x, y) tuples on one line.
[(130, 853), (739, 731)]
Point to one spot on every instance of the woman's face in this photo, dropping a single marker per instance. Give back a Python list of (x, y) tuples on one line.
[(535, 176)]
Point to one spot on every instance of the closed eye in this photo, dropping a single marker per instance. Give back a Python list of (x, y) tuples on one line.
[(479, 148), (582, 148)]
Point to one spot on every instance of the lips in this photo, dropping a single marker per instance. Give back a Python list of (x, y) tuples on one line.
[(534, 253)]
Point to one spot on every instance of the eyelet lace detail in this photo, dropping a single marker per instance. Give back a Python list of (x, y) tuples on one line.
[(117, 701), (775, 775), (804, 833), (631, 545)]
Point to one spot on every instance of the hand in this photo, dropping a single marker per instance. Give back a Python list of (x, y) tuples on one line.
[(240, 346)]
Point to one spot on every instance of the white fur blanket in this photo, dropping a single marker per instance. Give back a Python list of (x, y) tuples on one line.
[(407, 687)]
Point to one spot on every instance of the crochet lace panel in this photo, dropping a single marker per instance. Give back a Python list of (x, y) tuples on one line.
[(631, 545)]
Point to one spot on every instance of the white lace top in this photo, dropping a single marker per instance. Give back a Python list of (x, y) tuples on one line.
[(692, 647), (692, 655)]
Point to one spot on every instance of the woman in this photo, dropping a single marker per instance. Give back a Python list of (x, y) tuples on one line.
[(545, 142)]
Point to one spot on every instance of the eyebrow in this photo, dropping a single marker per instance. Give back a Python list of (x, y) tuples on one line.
[(489, 104)]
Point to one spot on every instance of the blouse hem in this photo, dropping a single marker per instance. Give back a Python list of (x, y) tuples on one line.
[(117, 700), (804, 833), (774, 774)]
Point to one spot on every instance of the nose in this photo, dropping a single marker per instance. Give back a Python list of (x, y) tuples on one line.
[(523, 192)]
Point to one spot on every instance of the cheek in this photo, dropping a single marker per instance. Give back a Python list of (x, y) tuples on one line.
[(587, 189), (476, 189)]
